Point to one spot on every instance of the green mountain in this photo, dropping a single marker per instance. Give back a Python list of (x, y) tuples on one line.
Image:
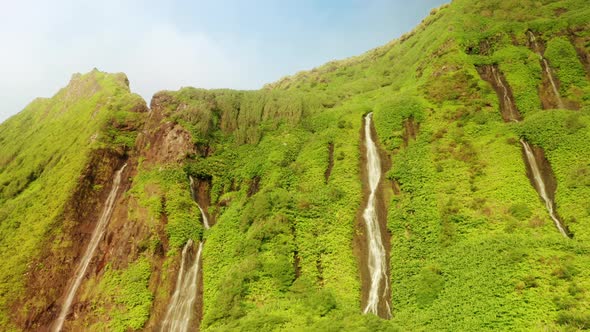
[(247, 210)]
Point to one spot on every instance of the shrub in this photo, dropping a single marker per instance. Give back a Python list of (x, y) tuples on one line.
[(520, 211)]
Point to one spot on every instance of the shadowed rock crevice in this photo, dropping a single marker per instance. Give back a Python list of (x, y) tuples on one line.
[(296, 258), (330, 161), (296, 264), (254, 186), (200, 191), (577, 38), (320, 269), (411, 128)]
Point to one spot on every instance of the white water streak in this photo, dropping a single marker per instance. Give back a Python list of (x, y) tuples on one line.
[(180, 310), (541, 186), (547, 69), (377, 261), (97, 235)]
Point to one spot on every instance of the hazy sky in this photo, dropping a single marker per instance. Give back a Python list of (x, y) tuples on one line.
[(169, 44)]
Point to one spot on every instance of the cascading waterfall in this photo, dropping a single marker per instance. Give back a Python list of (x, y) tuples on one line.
[(541, 187), (377, 261), (97, 235), (181, 308), (546, 68)]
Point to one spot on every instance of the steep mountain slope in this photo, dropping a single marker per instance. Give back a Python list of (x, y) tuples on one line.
[(280, 175)]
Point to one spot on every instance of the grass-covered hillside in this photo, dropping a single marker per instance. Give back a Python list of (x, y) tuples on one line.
[(471, 245)]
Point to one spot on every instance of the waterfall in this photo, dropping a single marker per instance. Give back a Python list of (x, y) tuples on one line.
[(541, 187), (546, 68), (552, 81), (505, 96), (194, 195), (377, 261), (97, 235), (181, 307)]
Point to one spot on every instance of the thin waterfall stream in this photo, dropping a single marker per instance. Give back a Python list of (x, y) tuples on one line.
[(546, 68), (512, 113), (377, 259), (541, 187), (97, 235), (180, 311)]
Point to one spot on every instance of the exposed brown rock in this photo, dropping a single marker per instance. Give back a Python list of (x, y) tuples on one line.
[(202, 189), (254, 186), (411, 128)]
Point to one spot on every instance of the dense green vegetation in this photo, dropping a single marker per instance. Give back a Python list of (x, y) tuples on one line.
[(169, 185), (472, 245), (128, 290)]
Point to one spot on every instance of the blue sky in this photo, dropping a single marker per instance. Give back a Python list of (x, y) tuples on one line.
[(169, 44)]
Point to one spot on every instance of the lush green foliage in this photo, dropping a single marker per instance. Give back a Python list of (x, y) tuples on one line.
[(250, 253), (245, 114), (390, 115), (128, 290), (523, 72), (166, 191)]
